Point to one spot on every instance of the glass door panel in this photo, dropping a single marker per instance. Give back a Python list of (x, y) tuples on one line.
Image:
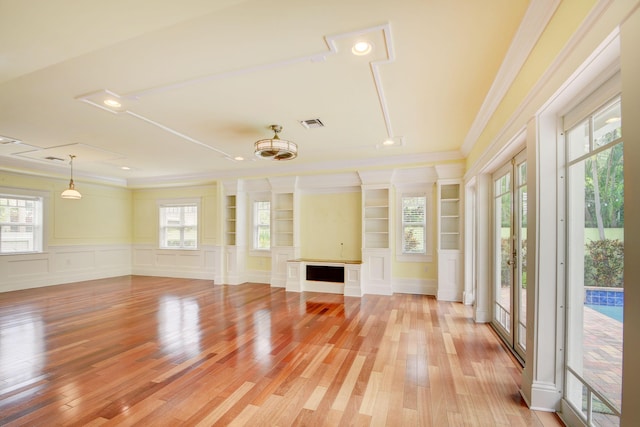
[(521, 247), (504, 259), (510, 244)]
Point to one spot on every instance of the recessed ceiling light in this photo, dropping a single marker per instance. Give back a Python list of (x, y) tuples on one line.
[(388, 142), (361, 48), (125, 168), (238, 158), (112, 103)]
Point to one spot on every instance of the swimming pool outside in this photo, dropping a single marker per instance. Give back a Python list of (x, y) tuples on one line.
[(612, 311)]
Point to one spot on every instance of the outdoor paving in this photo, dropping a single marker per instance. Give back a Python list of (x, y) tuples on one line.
[(602, 343)]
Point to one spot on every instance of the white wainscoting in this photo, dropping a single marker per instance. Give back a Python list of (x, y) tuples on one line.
[(63, 264), (376, 272), (203, 263), (415, 286)]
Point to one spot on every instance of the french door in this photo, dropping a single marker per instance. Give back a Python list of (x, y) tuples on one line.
[(509, 252)]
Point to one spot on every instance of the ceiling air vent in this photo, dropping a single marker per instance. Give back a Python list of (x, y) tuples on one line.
[(312, 123), (57, 159)]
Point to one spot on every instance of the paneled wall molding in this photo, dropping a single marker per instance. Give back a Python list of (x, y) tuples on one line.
[(203, 263), (64, 264)]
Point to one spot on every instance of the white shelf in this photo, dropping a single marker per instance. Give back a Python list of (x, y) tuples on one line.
[(375, 221), (449, 224), (283, 219), (230, 226)]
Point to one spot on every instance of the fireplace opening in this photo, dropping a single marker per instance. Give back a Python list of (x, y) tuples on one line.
[(325, 273)]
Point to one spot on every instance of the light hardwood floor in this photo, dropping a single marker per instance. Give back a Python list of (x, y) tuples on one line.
[(155, 351)]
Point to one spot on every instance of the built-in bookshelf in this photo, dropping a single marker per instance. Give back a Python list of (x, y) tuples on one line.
[(450, 217), (231, 220), (376, 218), (282, 219)]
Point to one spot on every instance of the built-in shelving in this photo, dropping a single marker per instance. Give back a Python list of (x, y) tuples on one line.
[(376, 218), (283, 219), (230, 223), (450, 239), (449, 223)]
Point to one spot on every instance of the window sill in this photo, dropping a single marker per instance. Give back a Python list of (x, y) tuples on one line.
[(23, 253)]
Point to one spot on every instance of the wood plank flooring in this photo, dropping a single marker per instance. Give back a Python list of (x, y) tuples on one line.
[(155, 351)]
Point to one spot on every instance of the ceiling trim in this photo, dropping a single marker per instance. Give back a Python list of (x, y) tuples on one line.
[(600, 60), (533, 24), (374, 65), (290, 169), (95, 98), (57, 171)]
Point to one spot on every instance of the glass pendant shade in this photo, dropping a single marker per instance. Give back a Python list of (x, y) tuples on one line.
[(71, 192)]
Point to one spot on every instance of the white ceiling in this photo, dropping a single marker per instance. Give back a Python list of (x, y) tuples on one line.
[(202, 80)]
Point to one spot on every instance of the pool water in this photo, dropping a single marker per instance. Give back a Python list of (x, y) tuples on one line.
[(614, 312)]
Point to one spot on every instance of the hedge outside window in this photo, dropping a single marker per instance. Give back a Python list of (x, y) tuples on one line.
[(20, 224), (179, 226)]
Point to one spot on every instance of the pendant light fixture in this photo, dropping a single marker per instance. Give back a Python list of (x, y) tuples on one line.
[(276, 148), (71, 192)]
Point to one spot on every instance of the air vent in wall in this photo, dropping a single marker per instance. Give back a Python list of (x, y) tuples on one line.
[(312, 123)]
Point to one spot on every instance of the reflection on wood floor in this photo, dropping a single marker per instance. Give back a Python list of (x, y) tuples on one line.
[(159, 351)]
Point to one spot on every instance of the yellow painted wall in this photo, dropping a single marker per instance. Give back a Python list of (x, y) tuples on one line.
[(566, 20), (145, 212), (258, 263), (102, 216), (416, 270), (329, 220)]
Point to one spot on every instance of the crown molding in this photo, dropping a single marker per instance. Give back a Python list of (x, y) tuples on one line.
[(27, 167), (533, 24), (597, 62)]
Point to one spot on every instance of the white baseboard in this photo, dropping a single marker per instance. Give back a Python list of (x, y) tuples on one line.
[(544, 397), (258, 276), (178, 274), (482, 316), (449, 295), (372, 289), (415, 286)]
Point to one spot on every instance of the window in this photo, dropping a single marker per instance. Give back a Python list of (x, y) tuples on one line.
[(179, 226), (595, 264), (261, 225), (414, 224), (20, 224)]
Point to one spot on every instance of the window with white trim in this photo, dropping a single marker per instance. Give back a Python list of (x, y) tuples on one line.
[(261, 225), (413, 225), (21, 229), (178, 225)]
